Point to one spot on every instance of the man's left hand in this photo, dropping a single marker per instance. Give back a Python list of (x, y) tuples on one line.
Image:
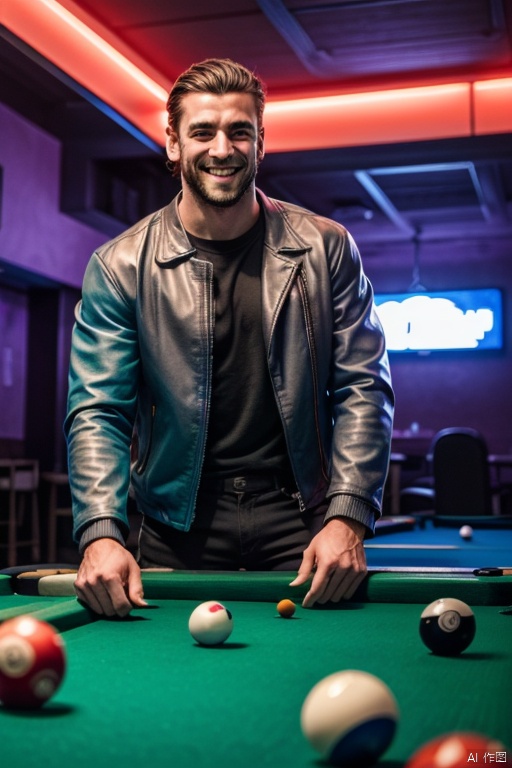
[(336, 556)]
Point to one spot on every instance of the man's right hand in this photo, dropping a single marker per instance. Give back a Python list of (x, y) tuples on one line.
[(109, 579)]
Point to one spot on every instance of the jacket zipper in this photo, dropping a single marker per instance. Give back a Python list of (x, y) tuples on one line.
[(302, 283), (207, 315)]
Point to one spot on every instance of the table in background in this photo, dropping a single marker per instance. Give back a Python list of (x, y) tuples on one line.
[(408, 460), (140, 692), (499, 462), (414, 443), (441, 547), (394, 480)]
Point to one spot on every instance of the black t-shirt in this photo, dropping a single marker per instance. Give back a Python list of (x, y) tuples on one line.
[(245, 433)]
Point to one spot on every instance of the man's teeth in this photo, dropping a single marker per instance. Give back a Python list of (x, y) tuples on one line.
[(222, 171)]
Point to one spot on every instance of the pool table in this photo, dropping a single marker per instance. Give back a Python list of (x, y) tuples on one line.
[(140, 693), (423, 544)]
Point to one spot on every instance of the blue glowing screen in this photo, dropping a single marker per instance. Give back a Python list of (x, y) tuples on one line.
[(442, 320)]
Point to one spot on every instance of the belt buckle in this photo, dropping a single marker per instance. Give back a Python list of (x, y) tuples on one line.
[(239, 483)]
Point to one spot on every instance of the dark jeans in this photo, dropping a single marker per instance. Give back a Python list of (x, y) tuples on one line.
[(234, 530)]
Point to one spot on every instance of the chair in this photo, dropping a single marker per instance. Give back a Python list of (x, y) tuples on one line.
[(19, 481), (461, 481)]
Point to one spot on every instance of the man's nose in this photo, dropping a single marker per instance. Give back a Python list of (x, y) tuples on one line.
[(221, 146)]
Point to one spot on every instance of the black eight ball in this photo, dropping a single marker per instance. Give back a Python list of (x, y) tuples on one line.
[(447, 626)]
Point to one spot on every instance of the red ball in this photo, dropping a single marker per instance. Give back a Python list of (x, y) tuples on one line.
[(460, 750), (32, 662)]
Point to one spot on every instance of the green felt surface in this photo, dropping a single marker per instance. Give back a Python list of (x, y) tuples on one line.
[(140, 692)]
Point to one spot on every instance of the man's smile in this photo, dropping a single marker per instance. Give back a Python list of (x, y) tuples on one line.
[(216, 171)]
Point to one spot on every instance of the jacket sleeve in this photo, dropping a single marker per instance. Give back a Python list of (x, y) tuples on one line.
[(361, 392), (103, 383)]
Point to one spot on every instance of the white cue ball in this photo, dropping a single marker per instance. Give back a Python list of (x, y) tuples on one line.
[(210, 623), (466, 532)]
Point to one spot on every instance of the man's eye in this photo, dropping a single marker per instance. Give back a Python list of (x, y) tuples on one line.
[(201, 135)]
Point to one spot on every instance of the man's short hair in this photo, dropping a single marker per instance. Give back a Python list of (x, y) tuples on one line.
[(217, 76)]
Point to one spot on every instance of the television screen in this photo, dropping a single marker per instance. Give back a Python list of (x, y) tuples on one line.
[(442, 320)]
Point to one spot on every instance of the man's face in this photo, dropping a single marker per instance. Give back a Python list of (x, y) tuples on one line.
[(218, 146)]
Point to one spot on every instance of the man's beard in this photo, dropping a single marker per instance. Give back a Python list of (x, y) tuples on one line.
[(221, 199)]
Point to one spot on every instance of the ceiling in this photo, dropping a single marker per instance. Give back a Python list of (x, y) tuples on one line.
[(386, 193)]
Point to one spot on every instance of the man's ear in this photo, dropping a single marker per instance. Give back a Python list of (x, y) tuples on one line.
[(172, 145), (261, 144)]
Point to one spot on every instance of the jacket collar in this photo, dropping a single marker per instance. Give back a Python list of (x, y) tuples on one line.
[(280, 237)]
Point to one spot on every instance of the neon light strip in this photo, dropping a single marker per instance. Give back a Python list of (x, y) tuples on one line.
[(406, 114), (87, 58), (103, 48), (493, 106), (409, 114)]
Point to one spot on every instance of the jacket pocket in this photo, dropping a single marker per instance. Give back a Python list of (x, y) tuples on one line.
[(143, 458)]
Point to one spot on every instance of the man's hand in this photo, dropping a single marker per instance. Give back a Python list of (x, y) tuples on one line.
[(337, 557), (109, 580)]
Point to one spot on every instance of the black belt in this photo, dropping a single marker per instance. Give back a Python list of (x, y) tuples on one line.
[(251, 483)]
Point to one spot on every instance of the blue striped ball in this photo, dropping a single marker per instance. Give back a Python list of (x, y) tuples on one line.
[(350, 718)]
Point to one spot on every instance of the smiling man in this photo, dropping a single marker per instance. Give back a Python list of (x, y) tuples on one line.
[(228, 368), (226, 124)]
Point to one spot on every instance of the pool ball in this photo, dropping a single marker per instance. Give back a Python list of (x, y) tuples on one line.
[(458, 750), (286, 608), (32, 662), (210, 623), (466, 532), (447, 626), (350, 718)]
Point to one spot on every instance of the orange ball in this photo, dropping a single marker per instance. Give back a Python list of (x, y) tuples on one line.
[(286, 608)]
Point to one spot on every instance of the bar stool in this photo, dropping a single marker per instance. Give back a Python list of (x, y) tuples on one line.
[(56, 481), (19, 481)]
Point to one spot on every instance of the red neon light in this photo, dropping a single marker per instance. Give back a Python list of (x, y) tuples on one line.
[(91, 57), (493, 106), (97, 65), (409, 114)]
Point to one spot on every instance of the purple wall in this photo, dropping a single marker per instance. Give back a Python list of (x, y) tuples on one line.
[(453, 390), (13, 363), (34, 234)]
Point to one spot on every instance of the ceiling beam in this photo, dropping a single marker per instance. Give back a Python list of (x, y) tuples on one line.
[(384, 203)]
